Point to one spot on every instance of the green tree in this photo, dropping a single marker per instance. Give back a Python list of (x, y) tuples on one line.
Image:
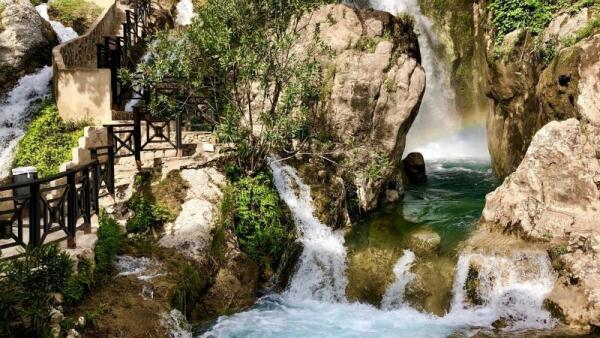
[(243, 59)]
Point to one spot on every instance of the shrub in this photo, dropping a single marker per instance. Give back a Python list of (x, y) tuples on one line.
[(78, 285), (188, 290), (48, 141), (109, 243), (510, 15), (25, 290), (258, 217), (377, 167), (78, 14), (146, 214)]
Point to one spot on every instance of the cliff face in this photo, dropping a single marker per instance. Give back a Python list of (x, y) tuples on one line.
[(537, 78), (544, 137), (374, 85)]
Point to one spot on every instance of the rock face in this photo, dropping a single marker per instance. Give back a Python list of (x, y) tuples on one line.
[(374, 85), (554, 197), (26, 41), (531, 86)]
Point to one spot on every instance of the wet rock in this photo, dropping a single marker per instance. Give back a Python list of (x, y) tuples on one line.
[(26, 42), (414, 167), (370, 272), (430, 290), (392, 195), (424, 242)]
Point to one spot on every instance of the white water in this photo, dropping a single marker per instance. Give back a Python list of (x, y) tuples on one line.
[(185, 12), (322, 265), (511, 288), (16, 107), (394, 295)]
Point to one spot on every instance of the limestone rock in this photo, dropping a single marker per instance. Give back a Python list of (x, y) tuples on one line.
[(554, 195), (430, 289), (414, 167), (424, 242), (374, 84), (26, 41), (529, 89)]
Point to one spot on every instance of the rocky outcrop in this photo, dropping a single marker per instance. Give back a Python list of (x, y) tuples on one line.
[(374, 85), (26, 41), (414, 167), (553, 198), (537, 79)]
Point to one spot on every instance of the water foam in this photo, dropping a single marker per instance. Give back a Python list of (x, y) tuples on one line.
[(16, 107), (322, 265), (394, 295), (185, 12)]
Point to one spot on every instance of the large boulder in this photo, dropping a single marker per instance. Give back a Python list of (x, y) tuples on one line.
[(414, 167), (26, 41), (553, 198), (374, 85)]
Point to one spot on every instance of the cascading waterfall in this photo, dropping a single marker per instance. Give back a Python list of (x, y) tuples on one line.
[(511, 288), (321, 273), (185, 12), (15, 108), (438, 131), (394, 295)]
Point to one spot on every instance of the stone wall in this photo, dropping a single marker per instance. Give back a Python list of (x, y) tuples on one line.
[(83, 91)]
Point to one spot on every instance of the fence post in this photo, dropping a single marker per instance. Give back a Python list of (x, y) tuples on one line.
[(71, 209), (110, 171), (97, 182), (34, 215), (87, 212), (137, 136), (178, 137)]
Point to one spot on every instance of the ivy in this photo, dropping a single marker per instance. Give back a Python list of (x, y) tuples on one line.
[(510, 15)]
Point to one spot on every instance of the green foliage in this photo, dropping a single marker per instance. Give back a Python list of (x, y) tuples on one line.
[(78, 285), (79, 14), (547, 52), (109, 243), (510, 15), (48, 141), (188, 290), (233, 50), (147, 214), (25, 290), (560, 250), (367, 43), (378, 167), (258, 217)]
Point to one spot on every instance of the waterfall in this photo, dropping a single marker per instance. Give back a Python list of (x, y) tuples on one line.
[(16, 107), (185, 12), (394, 295), (438, 131), (511, 288), (322, 265)]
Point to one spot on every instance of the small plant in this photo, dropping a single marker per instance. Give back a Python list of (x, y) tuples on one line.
[(588, 30), (147, 215), (378, 167), (367, 44), (560, 250), (78, 285), (389, 86), (188, 290), (109, 243)]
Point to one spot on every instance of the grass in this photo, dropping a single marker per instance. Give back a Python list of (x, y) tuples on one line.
[(78, 14), (48, 141), (588, 30)]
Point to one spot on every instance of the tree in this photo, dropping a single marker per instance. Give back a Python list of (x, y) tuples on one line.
[(247, 63)]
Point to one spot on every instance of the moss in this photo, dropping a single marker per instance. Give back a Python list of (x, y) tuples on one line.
[(472, 286), (368, 44), (592, 27), (78, 14), (188, 290), (48, 141), (2, 8)]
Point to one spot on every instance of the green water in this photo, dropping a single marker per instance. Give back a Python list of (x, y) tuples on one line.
[(450, 203)]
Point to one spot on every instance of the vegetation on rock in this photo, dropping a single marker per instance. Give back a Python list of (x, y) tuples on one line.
[(78, 14), (48, 141)]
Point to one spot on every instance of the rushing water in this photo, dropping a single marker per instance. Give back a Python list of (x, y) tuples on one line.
[(314, 306), (185, 12), (16, 107)]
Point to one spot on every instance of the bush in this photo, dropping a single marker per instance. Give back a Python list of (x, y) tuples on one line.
[(510, 15), (78, 14), (78, 285), (109, 243), (48, 141), (188, 290), (147, 215), (258, 217), (26, 287)]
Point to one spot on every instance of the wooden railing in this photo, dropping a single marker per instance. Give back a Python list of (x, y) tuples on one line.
[(117, 51), (63, 202)]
